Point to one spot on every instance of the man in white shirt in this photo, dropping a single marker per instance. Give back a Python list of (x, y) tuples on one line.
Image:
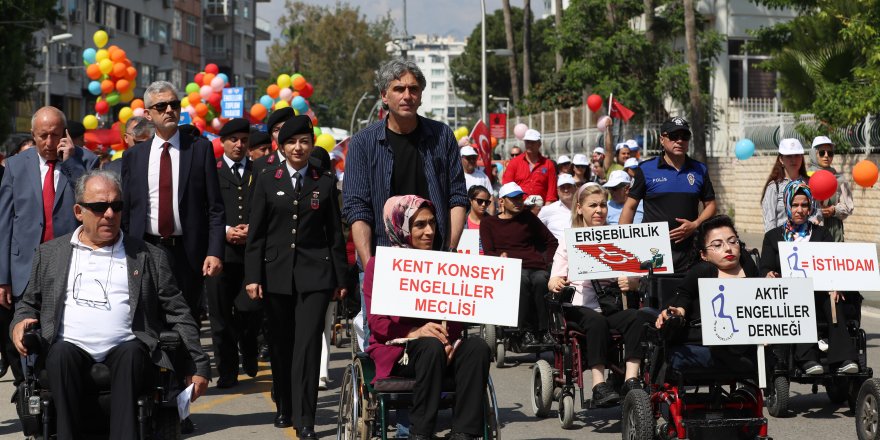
[(557, 215), (472, 174)]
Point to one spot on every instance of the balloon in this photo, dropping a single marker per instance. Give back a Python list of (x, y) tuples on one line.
[(201, 109), (101, 107), (212, 68), (823, 185), (198, 78), (266, 101), (281, 104), (258, 111), (224, 76), (194, 98), (200, 124), (317, 131), (283, 81), (307, 91), (107, 86), (125, 113), (325, 141), (216, 124), (137, 112), (100, 38), (106, 66), (865, 173), (117, 154), (299, 103), (744, 149), (286, 94), (90, 122), (298, 82), (184, 102), (117, 55), (217, 84), (112, 98), (190, 109), (273, 90), (603, 122), (493, 141), (130, 73), (519, 130), (102, 55), (192, 87), (89, 55), (215, 99), (93, 71), (95, 88), (122, 85), (127, 96), (205, 92), (206, 80), (119, 70), (594, 102)]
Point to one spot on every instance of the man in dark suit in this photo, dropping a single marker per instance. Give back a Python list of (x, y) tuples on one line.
[(172, 197), (36, 205), (101, 296), (234, 320), (295, 260), (274, 124)]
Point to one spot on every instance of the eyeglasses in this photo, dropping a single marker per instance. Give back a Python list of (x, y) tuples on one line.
[(470, 158), (101, 207), (678, 136), (482, 202), (823, 153), (512, 155), (581, 166), (716, 245), (162, 106)]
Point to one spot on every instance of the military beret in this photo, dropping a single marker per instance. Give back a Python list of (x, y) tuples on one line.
[(236, 125), (190, 130), (279, 116), (258, 138), (301, 124)]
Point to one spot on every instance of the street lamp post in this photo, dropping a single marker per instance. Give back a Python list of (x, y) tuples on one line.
[(50, 40), (366, 95), (483, 61)]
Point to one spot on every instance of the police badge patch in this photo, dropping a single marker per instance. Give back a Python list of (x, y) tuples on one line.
[(691, 179), (316, 203)]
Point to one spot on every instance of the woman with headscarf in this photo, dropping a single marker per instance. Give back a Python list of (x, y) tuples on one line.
[(431, 350), (840, 206), (799, 207)]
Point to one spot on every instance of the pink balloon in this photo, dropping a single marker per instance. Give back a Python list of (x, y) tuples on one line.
[(286, 94), (190, 109), (205, 92), (217, 84), (138, 112), (603, 122), (216, 122), (520, 130)]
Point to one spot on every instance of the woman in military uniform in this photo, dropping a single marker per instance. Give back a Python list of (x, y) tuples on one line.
[(295, 261)]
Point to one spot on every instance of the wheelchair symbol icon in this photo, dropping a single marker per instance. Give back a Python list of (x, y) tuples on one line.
[(621, 258)]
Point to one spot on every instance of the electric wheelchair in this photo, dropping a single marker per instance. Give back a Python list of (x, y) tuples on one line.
[(157, 406)]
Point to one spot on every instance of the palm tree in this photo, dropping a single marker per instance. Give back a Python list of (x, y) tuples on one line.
[(527, 47), (511, 60), (558, 5), (698, 143)]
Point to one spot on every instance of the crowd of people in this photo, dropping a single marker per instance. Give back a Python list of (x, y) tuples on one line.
[(98, 256)]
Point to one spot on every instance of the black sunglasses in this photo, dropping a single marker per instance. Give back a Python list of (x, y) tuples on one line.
[(101, 207), (162, 106), (678, 136), (823, 153), (514, 155), (482, 202)]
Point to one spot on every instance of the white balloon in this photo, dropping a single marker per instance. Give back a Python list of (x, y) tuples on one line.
[(603, 122)]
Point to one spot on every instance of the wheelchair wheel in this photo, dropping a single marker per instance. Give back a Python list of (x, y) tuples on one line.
[(349, 425), (490, 334), (638, 417), (868, 410), (492, 429), (542, 388), (167, 424), (837, 389), (566, 411), (777, 399)]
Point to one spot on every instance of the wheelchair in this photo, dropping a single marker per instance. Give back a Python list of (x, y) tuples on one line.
[(157, 408), (503, 339), (364, 407), (346, 309)]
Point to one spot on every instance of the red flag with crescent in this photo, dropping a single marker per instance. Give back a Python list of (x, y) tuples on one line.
[(482, 141)]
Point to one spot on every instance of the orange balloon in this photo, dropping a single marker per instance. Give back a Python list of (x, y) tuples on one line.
[(123, 85), (130, 73), (865, 173), (206, 79), (273, 90), (107, 86), (136, 104), (258, 111), (201, 109), (194, 98), (119, 70), (93, 71), (117, 55), (493, 141), (299, 82)]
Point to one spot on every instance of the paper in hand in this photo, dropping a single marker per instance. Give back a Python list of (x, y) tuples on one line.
[(183, 400)]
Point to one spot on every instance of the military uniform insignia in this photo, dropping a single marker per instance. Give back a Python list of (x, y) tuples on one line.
[(271, 159), (280, 193), (316, 202), (278, 173), (691, 178), (219, 164)]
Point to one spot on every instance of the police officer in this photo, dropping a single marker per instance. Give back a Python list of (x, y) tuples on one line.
[(235, 318), (295, 260)]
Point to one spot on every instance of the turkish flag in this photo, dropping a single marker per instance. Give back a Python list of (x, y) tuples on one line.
[(341, 150), (482, 142), (618, 111)]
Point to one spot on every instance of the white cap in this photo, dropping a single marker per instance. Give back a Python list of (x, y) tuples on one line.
[(620, 145), (822, 140), (616, 178), (580, 159), (510, 189), (599, 150), (632, 144), (564, 179), (790, 147), (468, 151), (563, 159), (631, 163), (534, 200), (532, 135)]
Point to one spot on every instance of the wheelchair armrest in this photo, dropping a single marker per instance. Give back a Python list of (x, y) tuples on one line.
[(169, 340), (32, 340)]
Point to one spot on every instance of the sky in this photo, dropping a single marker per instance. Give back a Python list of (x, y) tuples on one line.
[(433, 17)]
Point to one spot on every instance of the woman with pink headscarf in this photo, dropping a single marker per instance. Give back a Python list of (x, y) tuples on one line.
[(432, 351)]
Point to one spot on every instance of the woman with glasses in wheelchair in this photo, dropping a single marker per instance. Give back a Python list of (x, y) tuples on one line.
[(717, 253), (591, 209), (432, 351), (800, 207)]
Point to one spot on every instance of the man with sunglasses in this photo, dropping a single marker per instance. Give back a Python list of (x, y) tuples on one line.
[(672, 187), (80, 294)]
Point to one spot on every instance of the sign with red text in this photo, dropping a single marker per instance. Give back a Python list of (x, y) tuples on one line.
[(446, 286), (832, 266), (498, 125), (469, 242), (747, 311), (611, 251)]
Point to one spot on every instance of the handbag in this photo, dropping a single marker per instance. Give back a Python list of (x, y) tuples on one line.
[(610, 297)]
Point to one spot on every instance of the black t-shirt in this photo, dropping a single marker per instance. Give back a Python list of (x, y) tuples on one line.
[(408, 172)]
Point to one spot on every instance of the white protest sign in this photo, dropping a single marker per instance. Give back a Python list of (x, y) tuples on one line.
[(749, 311), (446, 286), (610, 251), (832, 266), (469, 242)]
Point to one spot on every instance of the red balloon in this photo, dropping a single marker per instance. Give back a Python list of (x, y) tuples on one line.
[(307, 91), (215, 99), (102, 107), (218, 147), (823, 185), (212, 68), (198, 78), (594, 102)]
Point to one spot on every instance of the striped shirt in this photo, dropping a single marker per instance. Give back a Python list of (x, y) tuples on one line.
[(368, 167)]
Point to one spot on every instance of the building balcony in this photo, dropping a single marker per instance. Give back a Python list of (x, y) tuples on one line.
[(262, 30), (218, 54)]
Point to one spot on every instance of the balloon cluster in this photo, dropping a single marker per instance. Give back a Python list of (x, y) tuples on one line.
[(112, 77), (288, 91), (203, 96)]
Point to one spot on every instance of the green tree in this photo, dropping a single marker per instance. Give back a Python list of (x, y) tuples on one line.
[(336, 49), (21, 18)]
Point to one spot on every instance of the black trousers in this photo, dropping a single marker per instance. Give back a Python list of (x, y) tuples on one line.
[(231, 329), (597, 326), (840, 346), (9, 353), (296, 328), (532, 306), (190, 281), (470, 371), (68, 367)]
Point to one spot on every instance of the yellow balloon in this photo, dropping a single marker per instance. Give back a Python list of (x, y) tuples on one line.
[(100, 38), (325, 141), (102, 55), (283, 81), (90, 122), (106, 66), (295, 112), (117, 154), (184, 102), (281, 104), (127, 96), (125, 113)]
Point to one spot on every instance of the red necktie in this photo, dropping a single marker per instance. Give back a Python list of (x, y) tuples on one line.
[(166, 194), (48, 202)]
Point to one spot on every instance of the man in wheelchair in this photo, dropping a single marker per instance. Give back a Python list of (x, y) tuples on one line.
[(99, 296)]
